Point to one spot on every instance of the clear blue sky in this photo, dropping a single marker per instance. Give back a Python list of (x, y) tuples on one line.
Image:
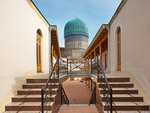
[(93, 12)]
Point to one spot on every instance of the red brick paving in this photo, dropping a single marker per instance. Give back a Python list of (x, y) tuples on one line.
[(77, 92)]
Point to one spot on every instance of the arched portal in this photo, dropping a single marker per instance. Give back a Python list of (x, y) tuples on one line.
[(39, 50), (118, 33)]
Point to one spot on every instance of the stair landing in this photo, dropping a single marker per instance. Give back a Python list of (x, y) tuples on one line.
[(78, 108), (77, 92)]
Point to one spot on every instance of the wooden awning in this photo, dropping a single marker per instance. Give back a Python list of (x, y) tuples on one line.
[(101, 34), (55, 41)]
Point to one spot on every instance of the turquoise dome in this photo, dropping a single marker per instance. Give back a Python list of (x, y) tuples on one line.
[(76, 26)]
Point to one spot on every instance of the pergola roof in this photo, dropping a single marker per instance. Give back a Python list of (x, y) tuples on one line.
[(55, 41), (102, 32)]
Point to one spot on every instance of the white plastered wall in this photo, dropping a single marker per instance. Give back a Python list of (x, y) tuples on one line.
[(18, 26), (134, 21)]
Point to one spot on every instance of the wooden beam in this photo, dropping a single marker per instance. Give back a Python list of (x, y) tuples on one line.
[(95, 46)]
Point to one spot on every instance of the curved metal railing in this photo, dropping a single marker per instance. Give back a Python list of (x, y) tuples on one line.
[(60, 68), (106, 90), (46, 91)]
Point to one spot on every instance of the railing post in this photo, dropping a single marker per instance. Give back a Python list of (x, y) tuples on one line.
[(97, 66), (91, 84), (67, 66), (58, 68), (61, 93), (91, 65), (42, 100), (111, 100)]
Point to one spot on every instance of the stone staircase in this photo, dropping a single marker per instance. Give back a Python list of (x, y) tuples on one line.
[(126, 98), (28, 99)]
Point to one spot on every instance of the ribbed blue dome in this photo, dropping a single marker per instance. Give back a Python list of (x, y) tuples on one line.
[(76, 26)]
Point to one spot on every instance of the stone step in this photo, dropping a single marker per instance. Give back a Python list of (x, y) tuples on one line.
[(125, 98), (31, 98), (118, 85), (115, 79), (39, 85), (121, 91), (26, 106), (22, 112), (41, 80), (128, 112), (126, 106), (35, 91), (26, 112)]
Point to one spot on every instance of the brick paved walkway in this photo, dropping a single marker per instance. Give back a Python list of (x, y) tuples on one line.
[(78, 109), (77, 92), (79, 96)]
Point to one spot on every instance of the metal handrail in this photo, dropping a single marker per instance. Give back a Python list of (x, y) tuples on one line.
[(55, 71), (98, 69), (102, 71), (46, 85), (108, 86), (63, 66), (93, 96), (44, 88), (64, 96)]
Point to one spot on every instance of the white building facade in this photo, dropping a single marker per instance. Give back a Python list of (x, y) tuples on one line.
[(133, 22), (123, 43), (21, 24)]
